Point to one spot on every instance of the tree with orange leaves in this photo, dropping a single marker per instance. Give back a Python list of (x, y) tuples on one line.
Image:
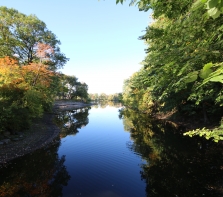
[(24, 93)]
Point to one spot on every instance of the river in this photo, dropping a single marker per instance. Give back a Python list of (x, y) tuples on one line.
[(104, 152)]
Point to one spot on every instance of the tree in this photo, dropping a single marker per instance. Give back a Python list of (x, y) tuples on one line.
[(21, 99), (94, 97), (170, 8), (29, 58), (71, 88), (81, 91), (20, 36), (71, 85), (214, 7), (184, 58), (103, 97)]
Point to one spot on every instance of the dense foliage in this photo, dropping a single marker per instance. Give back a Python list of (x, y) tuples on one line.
[(105, 97), (20, 34), (29, 82), (70, 88), (25, 92), (183, 68)]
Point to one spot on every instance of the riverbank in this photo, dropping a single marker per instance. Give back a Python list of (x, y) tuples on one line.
[(42, 133), (184, 122), (63, 105), (192, 122)]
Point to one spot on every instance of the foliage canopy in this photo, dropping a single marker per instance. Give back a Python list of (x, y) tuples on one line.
[(182, 70), (20, 35)]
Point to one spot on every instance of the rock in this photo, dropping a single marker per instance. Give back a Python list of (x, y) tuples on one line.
[(6, 141)]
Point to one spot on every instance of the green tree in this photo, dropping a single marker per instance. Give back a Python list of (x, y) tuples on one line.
[(20, 34), (94, 97), (71, 83), (81, 92), (103, 97), (214, 7), (71, 88), (177, 74), (28, 85)]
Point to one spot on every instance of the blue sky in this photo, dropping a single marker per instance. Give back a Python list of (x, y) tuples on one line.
[(99, 37)]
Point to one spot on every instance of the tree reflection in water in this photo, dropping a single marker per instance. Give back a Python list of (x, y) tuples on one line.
[(175, 165), (105, 103), (39, 174), (31, 176), (70, 121)]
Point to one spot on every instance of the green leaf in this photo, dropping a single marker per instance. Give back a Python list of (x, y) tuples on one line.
[(205, 74), (191, 77), (216, 52), (207, 66), (212, 4), (198, 4), (217, 79), (214, 13)]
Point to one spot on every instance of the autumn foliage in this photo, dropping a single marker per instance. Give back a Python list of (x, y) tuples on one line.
[(24, 91), (29, 58)]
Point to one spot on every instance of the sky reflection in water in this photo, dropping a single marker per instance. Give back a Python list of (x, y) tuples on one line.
[(101, 155)]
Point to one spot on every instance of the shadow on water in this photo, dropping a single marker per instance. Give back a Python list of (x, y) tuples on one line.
[(39, 174), (70, 121), (42, 173), (174, 165)]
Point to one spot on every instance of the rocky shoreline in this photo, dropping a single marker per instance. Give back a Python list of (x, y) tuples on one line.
[(42, 133)]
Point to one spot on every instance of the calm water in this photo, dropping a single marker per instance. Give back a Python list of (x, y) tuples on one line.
[(102, 152)]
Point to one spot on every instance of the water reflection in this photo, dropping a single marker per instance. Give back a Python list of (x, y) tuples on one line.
[(104, 104), (71, 121), (175, 165), (101, 165), (39, 174)]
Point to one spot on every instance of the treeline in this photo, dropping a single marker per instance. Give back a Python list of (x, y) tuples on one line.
[(70, 88), (106, 97), (182, 71), (30, 57)]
